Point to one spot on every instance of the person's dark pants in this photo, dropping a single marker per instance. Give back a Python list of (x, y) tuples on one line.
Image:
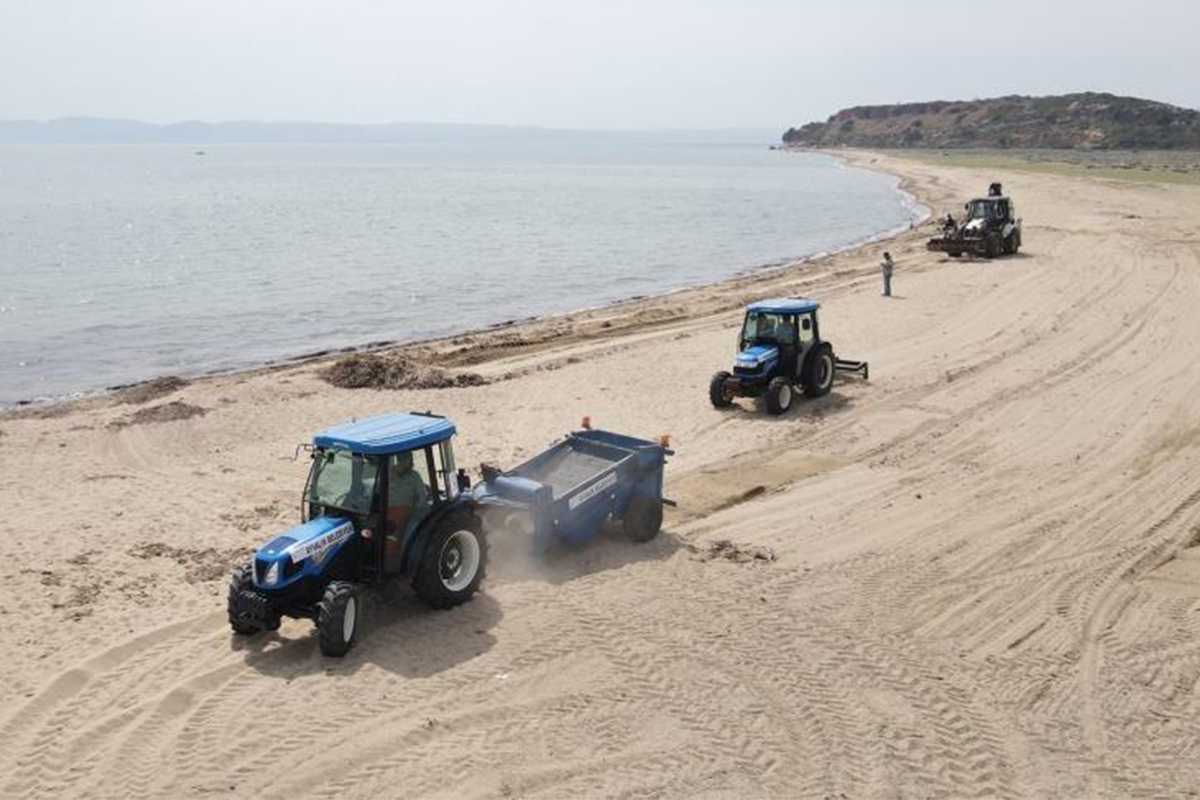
[(887, 284)]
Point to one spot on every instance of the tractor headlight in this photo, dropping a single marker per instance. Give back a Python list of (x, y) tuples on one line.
[(272, 576)]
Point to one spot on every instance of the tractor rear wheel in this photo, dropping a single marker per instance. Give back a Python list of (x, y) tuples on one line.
[(643, 518), (779, 395), (338, 615), (452, 565), (241, 579), (818, 372), (717, 393)]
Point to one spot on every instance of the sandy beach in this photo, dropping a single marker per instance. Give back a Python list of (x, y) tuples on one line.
[(985, 585)]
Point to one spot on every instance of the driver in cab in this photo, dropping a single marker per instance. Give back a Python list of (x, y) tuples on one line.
[(764, 330), (408, 496)]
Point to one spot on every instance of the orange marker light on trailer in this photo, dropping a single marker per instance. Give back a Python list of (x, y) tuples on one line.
[(586, 422)]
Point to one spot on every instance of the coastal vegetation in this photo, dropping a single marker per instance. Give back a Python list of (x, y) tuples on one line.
[(1083, 121)]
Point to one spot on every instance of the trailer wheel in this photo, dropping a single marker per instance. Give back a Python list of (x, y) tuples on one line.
[(241, 579), (452, 565), (818, 372), (338, 614), (779, 395), (643, 518), (717, 393), (953, 253)]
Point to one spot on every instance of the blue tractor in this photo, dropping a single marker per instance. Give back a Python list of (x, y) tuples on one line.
[(779, 350), (383, 500)]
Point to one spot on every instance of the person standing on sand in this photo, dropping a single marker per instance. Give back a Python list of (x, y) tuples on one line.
[(887, 265)]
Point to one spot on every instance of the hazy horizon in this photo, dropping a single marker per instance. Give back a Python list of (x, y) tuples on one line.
[(618, 65)]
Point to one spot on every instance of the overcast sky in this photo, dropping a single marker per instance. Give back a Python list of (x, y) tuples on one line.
[(558, 63)]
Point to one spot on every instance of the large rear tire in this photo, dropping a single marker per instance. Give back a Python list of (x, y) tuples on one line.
[(717, 393), (453, 563), (818, 372), (643, 518), (241, 579), (338, 615), (993, 246), (779, 395)]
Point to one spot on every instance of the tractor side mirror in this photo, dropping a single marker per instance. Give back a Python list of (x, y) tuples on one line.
[(806, 323), (464, 481)]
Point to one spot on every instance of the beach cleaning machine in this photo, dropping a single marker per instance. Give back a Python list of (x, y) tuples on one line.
[(572, 489)]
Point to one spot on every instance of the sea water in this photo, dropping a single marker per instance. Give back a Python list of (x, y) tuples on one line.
[(122, 263)]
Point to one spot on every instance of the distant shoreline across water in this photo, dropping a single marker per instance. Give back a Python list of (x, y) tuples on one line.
[(158, 264)]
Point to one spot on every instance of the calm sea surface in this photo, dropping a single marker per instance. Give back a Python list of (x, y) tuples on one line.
[(121, 263)]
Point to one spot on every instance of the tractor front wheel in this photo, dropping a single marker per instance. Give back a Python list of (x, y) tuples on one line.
[(241, 579), (643, 518), (818, 372), (779, 395), (452, 565), (337, 618), (717, 391)]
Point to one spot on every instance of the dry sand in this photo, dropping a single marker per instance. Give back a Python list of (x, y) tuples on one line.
[(984, 583)]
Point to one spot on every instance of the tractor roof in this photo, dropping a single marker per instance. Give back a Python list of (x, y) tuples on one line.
[(386, 433), (784, 305)]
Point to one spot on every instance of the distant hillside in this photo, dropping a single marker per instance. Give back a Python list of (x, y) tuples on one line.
[(1087, 121)]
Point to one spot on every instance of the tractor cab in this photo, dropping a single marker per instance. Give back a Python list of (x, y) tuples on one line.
[(387, 475), (780, 349), (775, 337)]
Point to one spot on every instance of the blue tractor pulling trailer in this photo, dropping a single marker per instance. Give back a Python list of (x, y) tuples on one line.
[(384, 501), (780, 349)]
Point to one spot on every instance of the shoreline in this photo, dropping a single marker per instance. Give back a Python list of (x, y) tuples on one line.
[(920, 213)]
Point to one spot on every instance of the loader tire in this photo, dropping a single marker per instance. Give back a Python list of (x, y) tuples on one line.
[(643, 518), (994, 246), (779, 395), (717, 393), (338, 615), (453, 561)]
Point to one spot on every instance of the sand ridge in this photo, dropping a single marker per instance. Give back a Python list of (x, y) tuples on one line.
[(984, 582)]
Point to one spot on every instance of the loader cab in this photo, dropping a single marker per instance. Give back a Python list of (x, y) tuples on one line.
[(994, 210), (388, 475)]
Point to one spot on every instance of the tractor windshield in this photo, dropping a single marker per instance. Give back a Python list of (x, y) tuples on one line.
[(341, 479), (762, 327), (982, 209)]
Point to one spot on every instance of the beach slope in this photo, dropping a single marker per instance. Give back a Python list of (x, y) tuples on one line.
[(986, 580)]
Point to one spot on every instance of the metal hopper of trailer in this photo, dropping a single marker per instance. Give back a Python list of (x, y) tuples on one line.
[(571, 490)]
